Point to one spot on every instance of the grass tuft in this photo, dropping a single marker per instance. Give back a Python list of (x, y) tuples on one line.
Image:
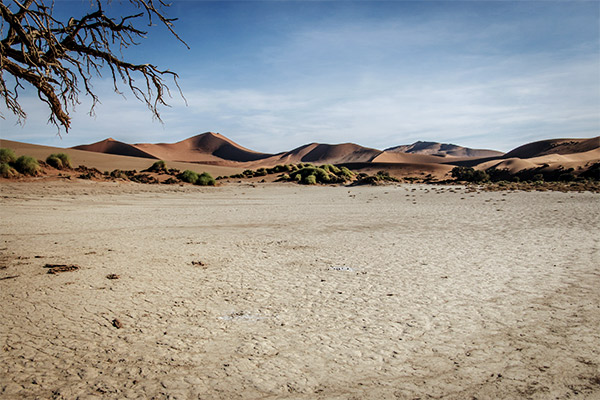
[(6, 171), (27, 165), (7, 156), (188, 176), (205, 179)]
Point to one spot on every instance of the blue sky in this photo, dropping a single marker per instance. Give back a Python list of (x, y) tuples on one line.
[(274, 75)]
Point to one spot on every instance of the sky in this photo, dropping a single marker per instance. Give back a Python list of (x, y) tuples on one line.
[(274, 75)]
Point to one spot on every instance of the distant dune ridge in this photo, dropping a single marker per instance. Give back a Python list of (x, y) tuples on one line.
[(554, 146), (215, 152), (213, 147), (216, 149), (443, 149)]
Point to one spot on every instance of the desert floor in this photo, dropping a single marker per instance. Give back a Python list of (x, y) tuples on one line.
[(283, 291)]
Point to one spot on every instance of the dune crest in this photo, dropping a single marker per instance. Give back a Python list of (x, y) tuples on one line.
[(112, 146), (215, 149), (443, 149), (554, 146), (205, 147)]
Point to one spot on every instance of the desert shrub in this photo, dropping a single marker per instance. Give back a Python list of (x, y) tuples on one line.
[(566, 177), (321, 175), (330, 168), (284, 177), (469, 174), (593, 172), (144, 178), (54, 161), (309, 180), (87, 175), (6, 171), (462, 173), (278, 169), (27, 165), (538, 177), (260, 172), (189, 176), (59, 161), (170, 181), (118, 174), (248, 173), (205, 179), (7, 156), (158, 166), (66, 160)]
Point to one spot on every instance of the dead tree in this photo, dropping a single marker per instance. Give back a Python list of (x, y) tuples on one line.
[(59, 58)]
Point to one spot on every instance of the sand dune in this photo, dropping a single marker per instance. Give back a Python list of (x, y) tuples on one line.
[(109, 162), (218, 151), (111, 146), (550, 161), (206, 147), (443, 149), (513, 165), (320, 153), (554, 146), (398, 157), (404, 169), (215, 149)]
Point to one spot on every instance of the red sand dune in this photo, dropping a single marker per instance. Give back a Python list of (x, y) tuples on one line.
[(215, 149), (111, 146), (206, 147), (554, 146), (320, 153), (109, 162)]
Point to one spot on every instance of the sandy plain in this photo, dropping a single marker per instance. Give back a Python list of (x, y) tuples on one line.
[(282, 291)]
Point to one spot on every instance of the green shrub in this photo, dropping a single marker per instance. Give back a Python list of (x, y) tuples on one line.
[(59, 161), (189, 176), (260, 172), (159, 166), (54, 161), (66, 160), (309, 180), (7, 156), (6, 171), (27, 165), (205, 179), (469, 174)]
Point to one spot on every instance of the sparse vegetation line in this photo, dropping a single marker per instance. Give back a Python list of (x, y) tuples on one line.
[(539, 179)]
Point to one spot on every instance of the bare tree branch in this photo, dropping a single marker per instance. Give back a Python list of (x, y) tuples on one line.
[(59, 59)]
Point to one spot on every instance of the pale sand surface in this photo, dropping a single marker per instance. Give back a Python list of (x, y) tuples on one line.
[(306, 293)]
